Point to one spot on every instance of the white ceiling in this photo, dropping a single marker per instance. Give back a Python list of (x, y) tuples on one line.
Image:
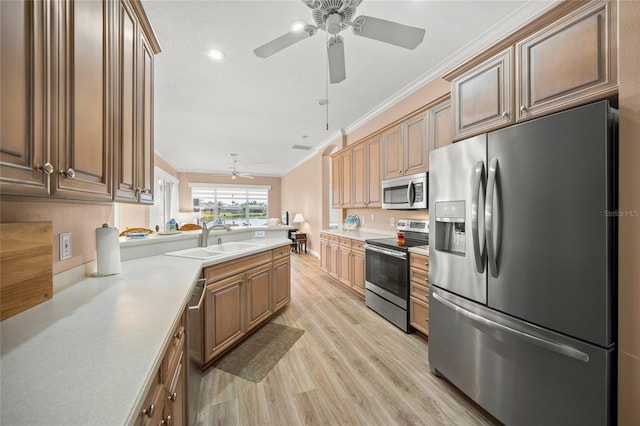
[(259, 108)]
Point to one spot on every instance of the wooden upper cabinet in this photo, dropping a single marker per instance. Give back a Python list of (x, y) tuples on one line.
[(440, 125), (134, 140), (345, 159), (416, 157), (482, 98), (373, 184), (359, 175), (23, 85), (83, 114), (570, 62), (336, 182), (393, 149)]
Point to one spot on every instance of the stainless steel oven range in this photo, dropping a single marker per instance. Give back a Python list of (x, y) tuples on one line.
[(387, 272)]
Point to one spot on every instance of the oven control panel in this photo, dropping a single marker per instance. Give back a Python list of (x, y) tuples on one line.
[(415, 225)]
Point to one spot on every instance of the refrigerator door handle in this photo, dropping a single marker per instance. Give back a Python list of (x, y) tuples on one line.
[(493, 232), (559, 348), (478, 243)]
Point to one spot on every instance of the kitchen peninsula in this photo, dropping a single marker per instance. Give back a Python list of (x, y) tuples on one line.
[(90, 354)]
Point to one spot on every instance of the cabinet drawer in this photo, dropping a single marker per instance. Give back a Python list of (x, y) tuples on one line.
[(344, 242), (357, 245), (419, 261), (173, 354), (151, 411), (324, 236), (280, 252), (419, 315), (233, 267), (419, 291), (333, 238), (419, 276)]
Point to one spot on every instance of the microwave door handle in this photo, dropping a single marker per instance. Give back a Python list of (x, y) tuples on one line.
[(478, 243), (411, 193)]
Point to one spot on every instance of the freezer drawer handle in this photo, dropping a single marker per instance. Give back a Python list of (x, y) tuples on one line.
[(478, 243), (552, 346), (493, 233)]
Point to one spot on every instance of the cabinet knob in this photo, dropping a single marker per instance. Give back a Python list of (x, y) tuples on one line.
[(505, 114), (178, 335), (137, 190), (523, 108), (173, 396), (166, 421), (47, 168), (148, 411), (69, 173), (145, 191)]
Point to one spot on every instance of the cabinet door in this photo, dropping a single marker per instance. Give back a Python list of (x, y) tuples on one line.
[(482, 97), (333, 260), (393, 153), (258, 292), (324, 256), (374, 167), (281, 282), (359, 176), (416, 154), (344, 266), (23, 139), (175, 409), (125, 156), (419, 315), (83, 113), (144, 162), (224, 314), (336, 182), (346, 156), (358, 270), (571, 62), (440, 126)]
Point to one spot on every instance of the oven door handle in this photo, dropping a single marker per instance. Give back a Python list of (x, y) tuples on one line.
[(393, 253)]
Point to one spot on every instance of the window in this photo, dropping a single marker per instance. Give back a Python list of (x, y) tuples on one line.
[(165, 206), (231, 204)]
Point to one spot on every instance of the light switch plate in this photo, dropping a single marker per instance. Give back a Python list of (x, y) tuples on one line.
[(65, 245), (392, 221)]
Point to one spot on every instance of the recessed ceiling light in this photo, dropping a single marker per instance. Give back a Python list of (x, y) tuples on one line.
[(298, 26), (216, 54)]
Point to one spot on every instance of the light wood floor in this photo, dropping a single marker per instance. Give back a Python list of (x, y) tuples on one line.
[(351, 367)]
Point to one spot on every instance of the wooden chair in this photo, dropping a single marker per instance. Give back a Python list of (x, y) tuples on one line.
[(135, 231)]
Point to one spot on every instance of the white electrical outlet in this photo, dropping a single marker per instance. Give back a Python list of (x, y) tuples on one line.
[(373, 217), (65, 245), (392, 221), (259, 234), (364, 220)]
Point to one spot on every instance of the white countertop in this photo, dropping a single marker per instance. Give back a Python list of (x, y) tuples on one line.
[(424, 250), (88, 355), (360, 234)]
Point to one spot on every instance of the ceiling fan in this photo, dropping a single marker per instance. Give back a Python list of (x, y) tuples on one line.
[(333, 16), (235, 173)]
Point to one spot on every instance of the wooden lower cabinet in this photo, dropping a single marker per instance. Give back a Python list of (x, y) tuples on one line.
[(324, 252), (343, 259), (419, 292), (241, 295), (166, 400), (258, 295), (224, 314), (357, 267), (334, 257)]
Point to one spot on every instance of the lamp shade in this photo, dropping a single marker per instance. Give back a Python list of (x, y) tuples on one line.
[(298, 218)]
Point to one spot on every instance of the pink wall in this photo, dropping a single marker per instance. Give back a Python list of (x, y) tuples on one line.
[(629, 192)]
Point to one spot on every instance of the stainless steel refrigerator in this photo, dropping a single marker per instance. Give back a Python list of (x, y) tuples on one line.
[(523, 260)]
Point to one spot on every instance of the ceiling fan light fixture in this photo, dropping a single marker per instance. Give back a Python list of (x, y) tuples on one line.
[(298, 26)]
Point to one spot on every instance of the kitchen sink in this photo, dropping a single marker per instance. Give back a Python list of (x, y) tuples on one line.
[(229, 247), (205, 253)]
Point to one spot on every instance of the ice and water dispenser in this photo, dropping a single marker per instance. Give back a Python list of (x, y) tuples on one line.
[(450, 227)]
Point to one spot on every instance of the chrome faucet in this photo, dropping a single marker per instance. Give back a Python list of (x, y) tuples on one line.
[(209, 226)]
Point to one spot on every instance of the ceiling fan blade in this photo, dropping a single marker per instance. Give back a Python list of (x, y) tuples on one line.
[(242, 175), (284, 41), (335, 52), (388, 32)]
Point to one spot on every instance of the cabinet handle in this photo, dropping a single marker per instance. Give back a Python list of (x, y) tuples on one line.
[(148, 411), (173, 397), (166, 421), (69, 173), (505, 114), (523, 108), (47, 168), (137, 190), (178, 335)]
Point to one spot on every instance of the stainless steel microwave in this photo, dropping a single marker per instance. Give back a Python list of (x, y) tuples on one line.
[(406, 192)]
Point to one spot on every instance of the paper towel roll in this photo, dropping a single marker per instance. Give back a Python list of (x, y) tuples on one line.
[(108, 247)]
